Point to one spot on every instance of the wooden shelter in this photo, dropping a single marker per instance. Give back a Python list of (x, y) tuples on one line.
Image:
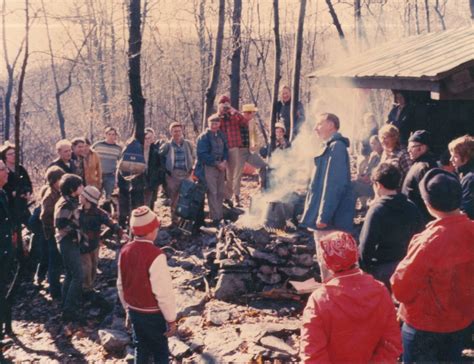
[(436, 70)]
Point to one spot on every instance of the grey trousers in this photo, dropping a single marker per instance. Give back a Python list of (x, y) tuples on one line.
[(215, 181)]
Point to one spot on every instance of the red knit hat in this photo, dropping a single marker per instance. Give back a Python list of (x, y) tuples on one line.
[(223, 99), (143, 221), (338, 250)]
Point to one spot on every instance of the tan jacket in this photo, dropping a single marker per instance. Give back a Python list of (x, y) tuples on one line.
[(93, 170), (255, 135)]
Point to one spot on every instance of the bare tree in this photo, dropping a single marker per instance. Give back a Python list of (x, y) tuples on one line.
[(337, 23), (236, 52), (17, 118), (58, 92), (297, 69), (10, 74), (440, 13), (276, 71), (471, 6), (427, 12), (216, 66), (137, 101)]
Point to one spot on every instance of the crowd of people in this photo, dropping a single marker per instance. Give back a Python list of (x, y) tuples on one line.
[(416, 240), (414, 251)]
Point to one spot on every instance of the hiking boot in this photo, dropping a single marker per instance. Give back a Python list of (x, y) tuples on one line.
[(229, 203)]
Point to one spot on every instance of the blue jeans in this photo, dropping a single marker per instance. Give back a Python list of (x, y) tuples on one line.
[(423, 346), (72, 286), (149, 338), (108, 183), (54, 268)]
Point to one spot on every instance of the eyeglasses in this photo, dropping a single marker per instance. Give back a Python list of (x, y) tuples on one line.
[(413, 146)]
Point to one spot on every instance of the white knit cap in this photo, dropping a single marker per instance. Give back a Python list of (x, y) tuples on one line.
[(143, 221), (91, 194)]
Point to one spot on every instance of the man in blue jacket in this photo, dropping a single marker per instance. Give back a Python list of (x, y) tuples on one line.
[(212, 156), (330, 202)]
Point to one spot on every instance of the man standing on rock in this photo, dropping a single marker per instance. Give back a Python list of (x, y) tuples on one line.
[(231, 123), (330, 202), (145, 289)]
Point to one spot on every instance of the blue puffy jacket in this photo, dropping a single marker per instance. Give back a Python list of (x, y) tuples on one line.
[(330, 198)]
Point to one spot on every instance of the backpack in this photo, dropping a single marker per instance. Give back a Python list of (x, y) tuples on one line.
[(190, 200), (132, 162)]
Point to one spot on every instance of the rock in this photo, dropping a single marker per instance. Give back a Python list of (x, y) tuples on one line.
[(218, 318), (113, 340), (267, 257), (189, 300), (231, 285), (275, 343), (273, 278), (266, 269), (178, 349), (220, 342), (163, 238), (294, 272), (305, 260)]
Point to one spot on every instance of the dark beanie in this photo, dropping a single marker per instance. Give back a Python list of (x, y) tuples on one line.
[(441, 189), (421, 136)]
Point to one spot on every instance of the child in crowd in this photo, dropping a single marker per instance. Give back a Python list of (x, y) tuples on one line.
[(66, 221), (91, 219)]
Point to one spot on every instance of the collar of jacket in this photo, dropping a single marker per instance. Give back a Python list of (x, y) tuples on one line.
[(465, 169), (343, 274), (448, 220)]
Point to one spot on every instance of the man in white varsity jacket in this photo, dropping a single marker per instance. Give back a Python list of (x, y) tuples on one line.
[(145, 289)]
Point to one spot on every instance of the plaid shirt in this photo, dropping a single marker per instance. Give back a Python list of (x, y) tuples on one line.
[(91, 222), (230, 126), (400, 158)]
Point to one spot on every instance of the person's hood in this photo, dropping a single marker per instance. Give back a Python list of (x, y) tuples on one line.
[(396, 203), (338, 137), (357, 295)]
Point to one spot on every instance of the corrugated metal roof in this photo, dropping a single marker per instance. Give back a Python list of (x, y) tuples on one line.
[(429, 57)]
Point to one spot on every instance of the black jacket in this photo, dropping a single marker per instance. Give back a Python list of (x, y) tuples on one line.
[(388, 228), (410, 184), (466, 173), (14, 188), (6, 229), (68, 168)]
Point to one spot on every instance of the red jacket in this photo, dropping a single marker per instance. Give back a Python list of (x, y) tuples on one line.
[(231, 123), (434, 282), (350, 319)]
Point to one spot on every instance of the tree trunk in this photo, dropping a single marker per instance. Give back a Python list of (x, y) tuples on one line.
[(417, 18), (237, 50), (337, 24), (471, 6), (441, 15), (216, 67), (137, 101), (57, 96), (276, 73), (17, 124), (427, 10), (295, 94)]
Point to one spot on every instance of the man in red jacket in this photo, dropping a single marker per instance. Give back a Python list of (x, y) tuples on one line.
[(145, 289), (350, 318), (434, 281)]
